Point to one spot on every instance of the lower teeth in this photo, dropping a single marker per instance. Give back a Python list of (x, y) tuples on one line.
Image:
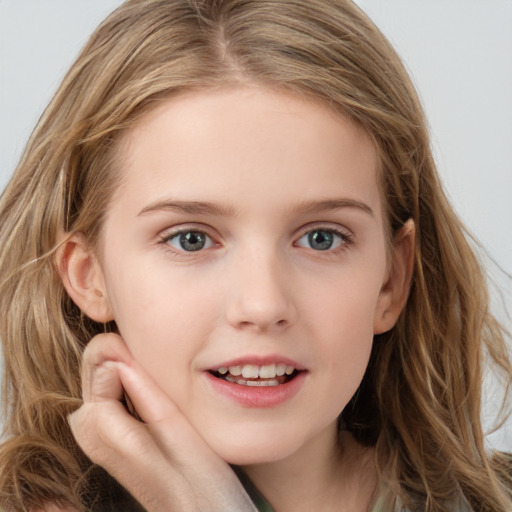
[(253, 383)]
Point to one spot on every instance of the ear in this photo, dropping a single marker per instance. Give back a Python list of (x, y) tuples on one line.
[(395, 290), (83, 278)]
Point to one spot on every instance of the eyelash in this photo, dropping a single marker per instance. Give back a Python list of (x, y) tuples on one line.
[(167, 237), (345, 238)]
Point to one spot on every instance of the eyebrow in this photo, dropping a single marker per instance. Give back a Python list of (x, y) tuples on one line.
[(190, 207), (309, 207), (207, 208)]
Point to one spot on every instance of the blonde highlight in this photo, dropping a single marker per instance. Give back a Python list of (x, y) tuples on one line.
[(419, 402)]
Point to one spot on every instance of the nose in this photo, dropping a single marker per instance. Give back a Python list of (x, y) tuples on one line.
[(260, 294)]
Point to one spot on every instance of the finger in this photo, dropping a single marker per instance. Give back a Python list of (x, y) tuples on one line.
[(106, 347), (124, 447), (171, 430), (100, 376), (110, 373), (176, 437), (151, 402), (147, 458), (108, 368), (127, 450)]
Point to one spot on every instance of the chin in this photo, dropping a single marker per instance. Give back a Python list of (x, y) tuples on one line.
[(254, 457), (255, 449)]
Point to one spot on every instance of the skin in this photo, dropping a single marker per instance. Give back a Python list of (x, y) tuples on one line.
[(276, 169)]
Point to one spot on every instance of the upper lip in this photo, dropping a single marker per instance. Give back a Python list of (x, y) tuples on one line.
[(258, 360)]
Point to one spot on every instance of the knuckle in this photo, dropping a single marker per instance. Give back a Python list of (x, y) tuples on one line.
[(102, 347), (107, 434)]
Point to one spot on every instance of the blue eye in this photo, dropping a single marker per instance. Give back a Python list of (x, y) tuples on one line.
[(189, 241), (322, 240)]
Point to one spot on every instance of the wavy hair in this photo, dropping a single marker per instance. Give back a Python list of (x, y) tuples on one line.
[(419, 402)]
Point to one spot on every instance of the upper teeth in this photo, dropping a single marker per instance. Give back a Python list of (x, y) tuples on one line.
[(252, 371)]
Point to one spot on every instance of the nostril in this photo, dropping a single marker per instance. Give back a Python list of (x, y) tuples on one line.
[(262, 325)]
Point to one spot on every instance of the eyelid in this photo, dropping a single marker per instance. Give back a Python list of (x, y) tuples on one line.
[(186, 227), (344, 233), (327, 226), (172, 232)]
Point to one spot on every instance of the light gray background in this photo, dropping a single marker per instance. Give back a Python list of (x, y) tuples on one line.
[(459, 53)]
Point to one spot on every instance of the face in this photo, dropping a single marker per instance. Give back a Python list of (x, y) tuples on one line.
[(244, 262)]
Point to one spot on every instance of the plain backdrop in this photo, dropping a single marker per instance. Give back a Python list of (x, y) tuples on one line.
[(459, 53)]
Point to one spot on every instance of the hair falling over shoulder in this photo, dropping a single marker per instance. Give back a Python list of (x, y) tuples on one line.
[(420, 400)]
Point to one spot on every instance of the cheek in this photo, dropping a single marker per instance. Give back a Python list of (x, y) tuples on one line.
[(345, 308), (343, 328), (163, 319)]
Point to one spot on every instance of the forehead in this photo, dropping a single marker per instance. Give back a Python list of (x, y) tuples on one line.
[(246, 144)]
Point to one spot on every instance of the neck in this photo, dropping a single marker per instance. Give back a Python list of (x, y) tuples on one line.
[(331, 472)]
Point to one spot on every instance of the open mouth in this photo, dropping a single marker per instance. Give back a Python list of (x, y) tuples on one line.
[(257, 376)]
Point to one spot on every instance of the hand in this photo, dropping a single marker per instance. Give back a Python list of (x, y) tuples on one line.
[(162, 461)]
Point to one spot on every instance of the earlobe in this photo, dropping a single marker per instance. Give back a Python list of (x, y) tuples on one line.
[(395, 290), (83, 278)]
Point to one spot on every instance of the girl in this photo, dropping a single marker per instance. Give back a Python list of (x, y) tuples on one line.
[(230, 278)]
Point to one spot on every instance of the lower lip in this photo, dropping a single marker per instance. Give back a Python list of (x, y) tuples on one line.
[(258, 397)]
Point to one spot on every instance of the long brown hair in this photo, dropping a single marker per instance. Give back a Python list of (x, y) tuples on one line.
[(419, 402)]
